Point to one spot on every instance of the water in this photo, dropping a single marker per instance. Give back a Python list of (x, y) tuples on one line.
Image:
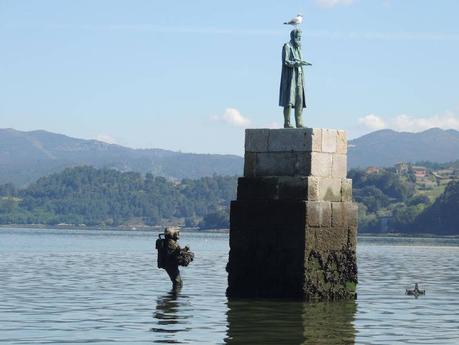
[(102, 287)]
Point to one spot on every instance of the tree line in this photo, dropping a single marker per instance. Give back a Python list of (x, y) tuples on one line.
[(106, 197)]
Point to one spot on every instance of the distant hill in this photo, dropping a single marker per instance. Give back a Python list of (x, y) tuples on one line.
[(26, 156), (99, 197), (387, 147), (442, 217)]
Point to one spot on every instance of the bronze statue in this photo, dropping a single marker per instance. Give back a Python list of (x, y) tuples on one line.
[(170, 255), (291, 93)]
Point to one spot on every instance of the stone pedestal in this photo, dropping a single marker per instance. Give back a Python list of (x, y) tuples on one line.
[(293, 226)]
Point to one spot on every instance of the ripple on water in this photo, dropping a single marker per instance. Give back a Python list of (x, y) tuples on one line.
[(103, 287)]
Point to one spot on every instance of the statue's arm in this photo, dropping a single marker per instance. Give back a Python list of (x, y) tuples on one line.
[(173, 248), (285, 57)]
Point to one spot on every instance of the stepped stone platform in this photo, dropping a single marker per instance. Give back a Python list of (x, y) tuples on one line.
[(293, 226)]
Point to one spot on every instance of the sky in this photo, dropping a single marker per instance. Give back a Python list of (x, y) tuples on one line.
[(190, 76)]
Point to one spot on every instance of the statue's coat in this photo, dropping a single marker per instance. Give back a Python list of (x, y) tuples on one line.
[(287, 92)]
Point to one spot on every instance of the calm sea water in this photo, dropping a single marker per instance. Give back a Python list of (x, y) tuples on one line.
[(102, 287)]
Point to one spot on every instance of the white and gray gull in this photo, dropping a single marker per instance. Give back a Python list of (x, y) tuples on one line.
[(296, 20)]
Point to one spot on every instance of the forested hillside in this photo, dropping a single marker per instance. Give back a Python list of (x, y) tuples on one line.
[(389, 200), (443, 216), (90, 196)]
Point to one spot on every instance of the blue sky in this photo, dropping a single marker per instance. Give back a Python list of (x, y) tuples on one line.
[(191, 75)]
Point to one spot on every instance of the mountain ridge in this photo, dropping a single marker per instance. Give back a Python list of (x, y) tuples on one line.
[(26, 156), (387, 147)]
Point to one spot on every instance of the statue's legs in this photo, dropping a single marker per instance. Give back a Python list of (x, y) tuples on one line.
[(287, 117), (174, 275), (299, 106)]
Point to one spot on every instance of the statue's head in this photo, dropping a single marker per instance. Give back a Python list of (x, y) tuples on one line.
[(172, 232), (295, 37)]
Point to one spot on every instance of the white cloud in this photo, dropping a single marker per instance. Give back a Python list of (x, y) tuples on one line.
[(415, 124), (408, 123), (372, 122), (273, 125), (106, 138), (233, 117), (334, 3)]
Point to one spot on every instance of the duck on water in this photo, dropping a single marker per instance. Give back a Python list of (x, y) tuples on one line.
[(415, 292)]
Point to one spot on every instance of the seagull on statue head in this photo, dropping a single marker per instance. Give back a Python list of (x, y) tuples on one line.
[(296, 20)]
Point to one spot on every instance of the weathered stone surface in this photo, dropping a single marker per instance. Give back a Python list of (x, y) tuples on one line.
[(293, 188), (321, 164), (258, 268), (330, 275), (352, 237), (329, 140), (258, 188), (250, 162), (330, 189), (325, 214), (293, 226), (303, 164), (287, 140), (314, 212), (337, 215), (339, 168), (256, 140), (313, 188), (328, 239), (276, 164), (350, 213), (314, 139), (341, 142), (346, 189)]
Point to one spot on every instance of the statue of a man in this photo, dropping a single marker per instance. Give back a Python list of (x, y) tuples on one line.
[(292, 80)]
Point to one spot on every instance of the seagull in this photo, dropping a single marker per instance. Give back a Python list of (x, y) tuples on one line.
[(295, 21)]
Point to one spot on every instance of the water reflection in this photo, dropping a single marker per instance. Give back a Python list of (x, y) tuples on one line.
[(169, 317), (276, 322)]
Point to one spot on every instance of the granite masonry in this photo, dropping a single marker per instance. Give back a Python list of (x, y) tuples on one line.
[(293, 226)]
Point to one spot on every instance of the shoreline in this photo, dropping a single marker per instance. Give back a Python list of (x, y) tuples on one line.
[(154, 228), (160, 227)]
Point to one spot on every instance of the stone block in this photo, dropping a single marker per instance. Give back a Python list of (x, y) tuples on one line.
[(256, 140), (339, 165), (287, 140), (314, 139), (329, 140), (350, 213), (346, 189), (276, 164), (330, 189), (352, 237), (321, 164), (258, 188), (313, 213), (303, 164), (337, 214), (341, 142), (293, 188), (313, 188), (318, 214), (250, 162), (331, 239), (325, 214)]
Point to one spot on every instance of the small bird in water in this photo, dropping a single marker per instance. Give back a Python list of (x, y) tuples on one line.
[(296, 20), (415, 292)]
